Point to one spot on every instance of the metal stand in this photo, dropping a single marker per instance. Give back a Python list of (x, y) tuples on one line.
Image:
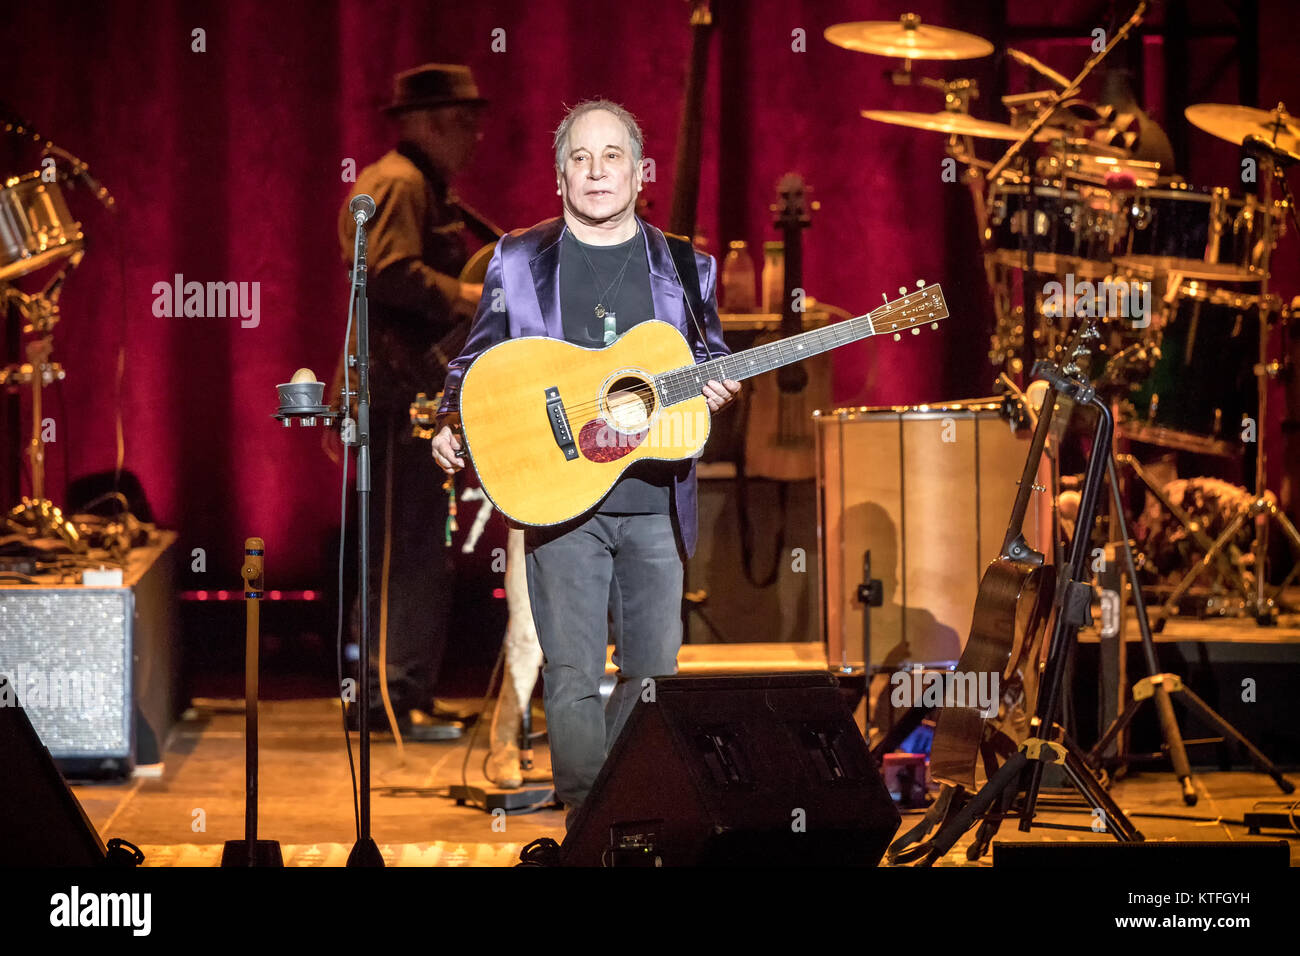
[(1047, 743), (364, 852), (1159, 687), (251, 851), (40, 311)]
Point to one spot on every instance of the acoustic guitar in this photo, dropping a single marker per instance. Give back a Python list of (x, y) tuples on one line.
[(1011, 611), (779, 426), (552, 426)]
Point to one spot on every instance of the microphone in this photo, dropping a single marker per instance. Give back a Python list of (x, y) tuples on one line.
[(362, 208), (1038, 67), (1259, 146)]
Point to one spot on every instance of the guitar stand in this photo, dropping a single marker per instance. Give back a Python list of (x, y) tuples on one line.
[(1072, 604), (1159, 687)]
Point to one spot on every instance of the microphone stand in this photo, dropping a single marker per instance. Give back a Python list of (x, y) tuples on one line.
[(365, 852)]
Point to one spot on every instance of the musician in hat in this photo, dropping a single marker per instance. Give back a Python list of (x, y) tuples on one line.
[(418, 307)]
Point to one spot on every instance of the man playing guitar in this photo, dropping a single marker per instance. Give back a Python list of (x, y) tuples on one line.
[(587, 277)]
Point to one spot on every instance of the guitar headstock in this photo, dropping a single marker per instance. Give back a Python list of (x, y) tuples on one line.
[(792, 210), (923, 306)]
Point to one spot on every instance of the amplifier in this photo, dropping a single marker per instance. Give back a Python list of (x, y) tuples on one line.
[(96, 668), (67, 654)]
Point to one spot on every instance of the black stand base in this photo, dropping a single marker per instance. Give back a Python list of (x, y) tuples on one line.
[(365, 853), (1162, 688), (265, 853)]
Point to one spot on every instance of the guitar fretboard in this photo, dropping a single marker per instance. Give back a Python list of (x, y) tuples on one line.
[(682, 384)]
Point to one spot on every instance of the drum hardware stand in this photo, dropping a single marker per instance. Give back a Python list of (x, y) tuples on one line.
[(1262, 605), (1223, 563), (40, 312), (1047, 742), (251, 851), (1158, 686)]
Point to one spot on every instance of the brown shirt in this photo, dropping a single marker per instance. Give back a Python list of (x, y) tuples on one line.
[(415, 250)]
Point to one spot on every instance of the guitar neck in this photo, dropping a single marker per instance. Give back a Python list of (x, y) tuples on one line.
[(923, 307)]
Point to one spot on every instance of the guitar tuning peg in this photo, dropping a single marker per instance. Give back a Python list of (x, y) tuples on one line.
[(902, 290), (935, 326), (916, 331), (897, 337), (884, 298), (920, 283)]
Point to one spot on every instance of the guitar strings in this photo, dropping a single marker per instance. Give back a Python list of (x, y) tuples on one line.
[(648, 394)]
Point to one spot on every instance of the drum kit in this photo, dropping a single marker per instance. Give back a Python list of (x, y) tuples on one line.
[(40, 245), (1083, 218)]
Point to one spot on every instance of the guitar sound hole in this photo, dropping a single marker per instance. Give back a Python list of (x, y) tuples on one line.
[(630, 401)]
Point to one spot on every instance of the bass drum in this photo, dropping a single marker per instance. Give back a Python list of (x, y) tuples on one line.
[(1201, 385)]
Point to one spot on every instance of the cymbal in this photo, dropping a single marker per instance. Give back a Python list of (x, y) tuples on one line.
[(1235, 123), (961, 124), (907, 38)]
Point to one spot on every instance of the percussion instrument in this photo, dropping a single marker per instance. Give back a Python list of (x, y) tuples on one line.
[(1071, 227), (956, 124), (1201, 386), (36, 228), (1235, 123), (908, 39), (1198, 234)]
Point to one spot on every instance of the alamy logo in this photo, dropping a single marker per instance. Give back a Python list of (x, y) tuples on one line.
[(921, 688), (212, 300), (103, 909), (34, 688), (1109, 298)]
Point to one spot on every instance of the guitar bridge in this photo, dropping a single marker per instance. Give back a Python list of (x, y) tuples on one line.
[(559, 419)]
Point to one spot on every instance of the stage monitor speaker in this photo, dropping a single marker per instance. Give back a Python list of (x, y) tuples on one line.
[(764, 770), (43, 823)]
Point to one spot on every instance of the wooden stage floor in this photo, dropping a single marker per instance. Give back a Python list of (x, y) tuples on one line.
[(182, 816)]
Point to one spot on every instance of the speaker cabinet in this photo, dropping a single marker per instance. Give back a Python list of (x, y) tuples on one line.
[(43, 823), (736, 771), (97, 668)]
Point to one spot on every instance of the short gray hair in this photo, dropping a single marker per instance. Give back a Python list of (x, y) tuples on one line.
[(588, 106)]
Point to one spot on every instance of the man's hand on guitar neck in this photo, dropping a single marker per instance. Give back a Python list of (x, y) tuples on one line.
[(720, 394), (447, 445)]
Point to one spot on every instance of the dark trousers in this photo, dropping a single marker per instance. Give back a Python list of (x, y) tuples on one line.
[(569, 585), (403, 475)]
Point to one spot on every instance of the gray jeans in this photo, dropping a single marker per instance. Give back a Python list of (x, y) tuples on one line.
[(570, 571)]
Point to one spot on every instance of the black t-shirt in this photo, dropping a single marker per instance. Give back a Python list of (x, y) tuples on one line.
[(617, 277)]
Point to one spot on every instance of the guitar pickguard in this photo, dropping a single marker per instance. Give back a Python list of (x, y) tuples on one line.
[(600, 441)]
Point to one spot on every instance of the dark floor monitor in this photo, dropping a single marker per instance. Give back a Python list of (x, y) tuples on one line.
[(43, 823), (766, 770)]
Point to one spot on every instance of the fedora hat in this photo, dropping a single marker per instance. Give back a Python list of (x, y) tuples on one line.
[(433, 85)]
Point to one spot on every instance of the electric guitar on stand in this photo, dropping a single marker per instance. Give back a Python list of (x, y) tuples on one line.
[(552, 426)]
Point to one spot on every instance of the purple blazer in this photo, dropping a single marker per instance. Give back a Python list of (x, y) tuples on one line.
[(526, 265)]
